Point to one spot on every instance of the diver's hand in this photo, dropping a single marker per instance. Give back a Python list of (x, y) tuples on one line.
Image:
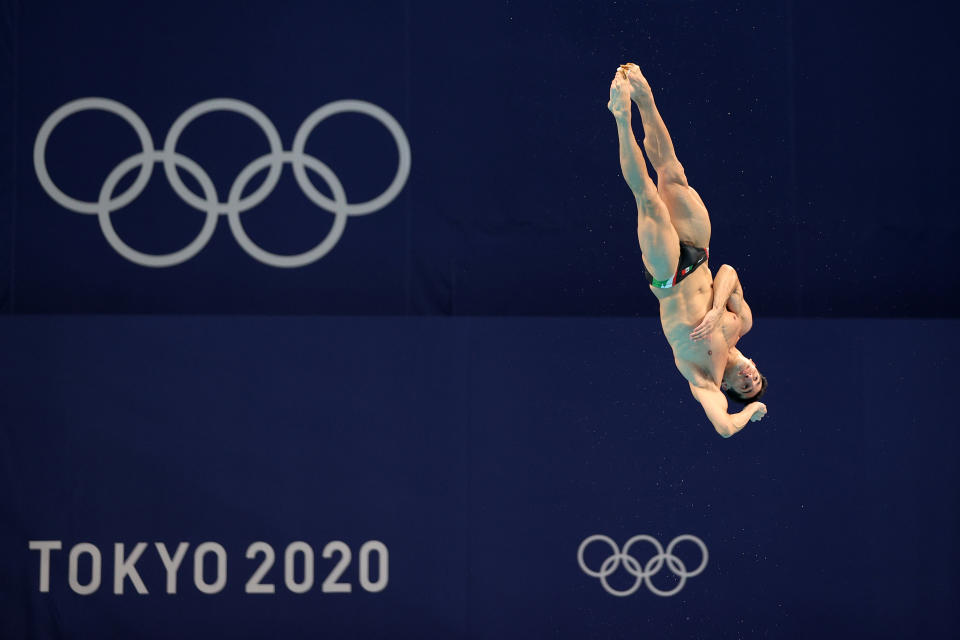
[(707, 325), (758, 409), (619, 103)]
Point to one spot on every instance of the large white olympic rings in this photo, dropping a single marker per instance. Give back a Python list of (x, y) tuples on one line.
[(642, 570), (210, 203)]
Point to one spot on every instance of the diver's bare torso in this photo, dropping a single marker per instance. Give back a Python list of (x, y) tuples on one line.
[(682, 308)]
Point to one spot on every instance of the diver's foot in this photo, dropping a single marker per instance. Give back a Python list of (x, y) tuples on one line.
[(640, 91)]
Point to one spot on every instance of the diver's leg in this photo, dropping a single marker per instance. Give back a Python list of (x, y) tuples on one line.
[(658, 239), (687, 211)]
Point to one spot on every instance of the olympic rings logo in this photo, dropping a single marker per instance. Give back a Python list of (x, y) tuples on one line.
[(642, 570), (210, 202)]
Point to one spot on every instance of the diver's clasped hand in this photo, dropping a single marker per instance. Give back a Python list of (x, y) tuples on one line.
[(707, 325), (759, 411)]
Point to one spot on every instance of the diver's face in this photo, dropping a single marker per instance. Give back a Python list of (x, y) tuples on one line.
[(743, 378)]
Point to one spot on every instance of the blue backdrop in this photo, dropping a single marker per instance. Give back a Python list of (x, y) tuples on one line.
[(350, 294), (820, 138), (481, 453)]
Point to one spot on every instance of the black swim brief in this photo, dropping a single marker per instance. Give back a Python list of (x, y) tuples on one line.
[(691, 257)]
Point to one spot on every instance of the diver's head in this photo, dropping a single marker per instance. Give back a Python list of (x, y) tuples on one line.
[(741, 381)]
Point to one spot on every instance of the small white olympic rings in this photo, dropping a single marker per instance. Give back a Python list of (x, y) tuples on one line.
[(210, 203), (642, 570)]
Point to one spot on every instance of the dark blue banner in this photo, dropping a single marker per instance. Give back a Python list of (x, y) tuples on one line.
[(481, 478), (416, 158)]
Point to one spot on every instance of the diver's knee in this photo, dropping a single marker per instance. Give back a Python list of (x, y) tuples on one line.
[(672, 173), (651, 206)]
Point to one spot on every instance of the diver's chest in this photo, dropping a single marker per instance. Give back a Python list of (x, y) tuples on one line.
[(703, 359), (729, 328)]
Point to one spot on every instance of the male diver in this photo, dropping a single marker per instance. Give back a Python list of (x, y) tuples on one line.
[(702, 317)]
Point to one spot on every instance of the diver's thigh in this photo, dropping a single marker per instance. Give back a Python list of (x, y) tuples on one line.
[(660, 246), (687, 213)]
